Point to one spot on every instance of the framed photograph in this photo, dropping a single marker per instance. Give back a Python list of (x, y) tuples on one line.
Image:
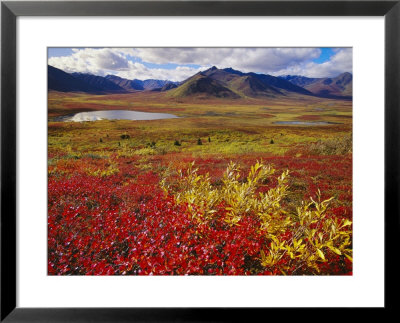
[(197, 160)]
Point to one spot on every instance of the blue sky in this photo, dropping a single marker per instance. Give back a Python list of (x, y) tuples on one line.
[(326, 53), (179, 63), (59, 51)]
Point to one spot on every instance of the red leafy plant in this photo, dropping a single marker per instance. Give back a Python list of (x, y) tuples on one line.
[(192, 225)]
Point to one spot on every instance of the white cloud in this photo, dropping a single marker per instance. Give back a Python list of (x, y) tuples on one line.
[(91, 60), (341, 61), (103, 61), (276, 61), (264, 60), (141, 72)]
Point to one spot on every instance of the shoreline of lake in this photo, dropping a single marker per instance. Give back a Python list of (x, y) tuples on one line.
[(114, 115)]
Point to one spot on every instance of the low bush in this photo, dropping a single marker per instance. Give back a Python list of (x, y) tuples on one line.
[(237, 223), (303, 242), (338, 146)]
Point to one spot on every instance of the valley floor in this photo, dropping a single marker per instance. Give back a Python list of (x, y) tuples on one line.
[(124, 197)]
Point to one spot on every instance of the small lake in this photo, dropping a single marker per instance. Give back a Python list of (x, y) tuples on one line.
[(114, 115), (306, 123)]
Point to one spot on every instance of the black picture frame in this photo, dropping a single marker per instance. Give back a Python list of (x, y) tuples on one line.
[(10, 10)]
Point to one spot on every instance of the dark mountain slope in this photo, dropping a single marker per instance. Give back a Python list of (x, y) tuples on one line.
[(251, 86), (242, 84), (340, 87), (169, 86), (214, 82), (152, 84), (202, 86), (100, 82), (298, 80), (59, 80), (83, 82), (138, 85), (222, 75), (281, 84), (271, 83), (129, 85)]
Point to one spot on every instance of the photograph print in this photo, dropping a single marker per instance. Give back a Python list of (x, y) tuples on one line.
[(200, 161)]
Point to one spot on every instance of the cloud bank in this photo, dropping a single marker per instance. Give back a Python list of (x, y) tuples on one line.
[(177, 64)]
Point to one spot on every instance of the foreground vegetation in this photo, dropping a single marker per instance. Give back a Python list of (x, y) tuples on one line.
[(222, 190)]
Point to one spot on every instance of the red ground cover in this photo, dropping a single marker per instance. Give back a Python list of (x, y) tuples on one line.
[(123, 224)]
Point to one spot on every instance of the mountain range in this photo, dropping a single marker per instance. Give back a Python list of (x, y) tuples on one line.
[(139, 85), (211, 83), (58, 80), (339, 87), (230, 83)]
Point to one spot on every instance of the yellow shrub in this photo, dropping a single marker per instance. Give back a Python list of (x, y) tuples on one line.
[(313, 233), (302, 239), (202, 198), (110, 170)]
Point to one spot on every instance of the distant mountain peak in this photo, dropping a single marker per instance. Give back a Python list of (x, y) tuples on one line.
[(211, 69), (230, 83), (339, 87), (213, 82), (59, 80), (109, 76), (233, 71)]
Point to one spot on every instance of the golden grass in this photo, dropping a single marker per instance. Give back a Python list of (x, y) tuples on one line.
[(234, 126)]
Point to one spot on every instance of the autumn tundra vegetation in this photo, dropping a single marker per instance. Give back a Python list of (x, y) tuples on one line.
[(245, 181)]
